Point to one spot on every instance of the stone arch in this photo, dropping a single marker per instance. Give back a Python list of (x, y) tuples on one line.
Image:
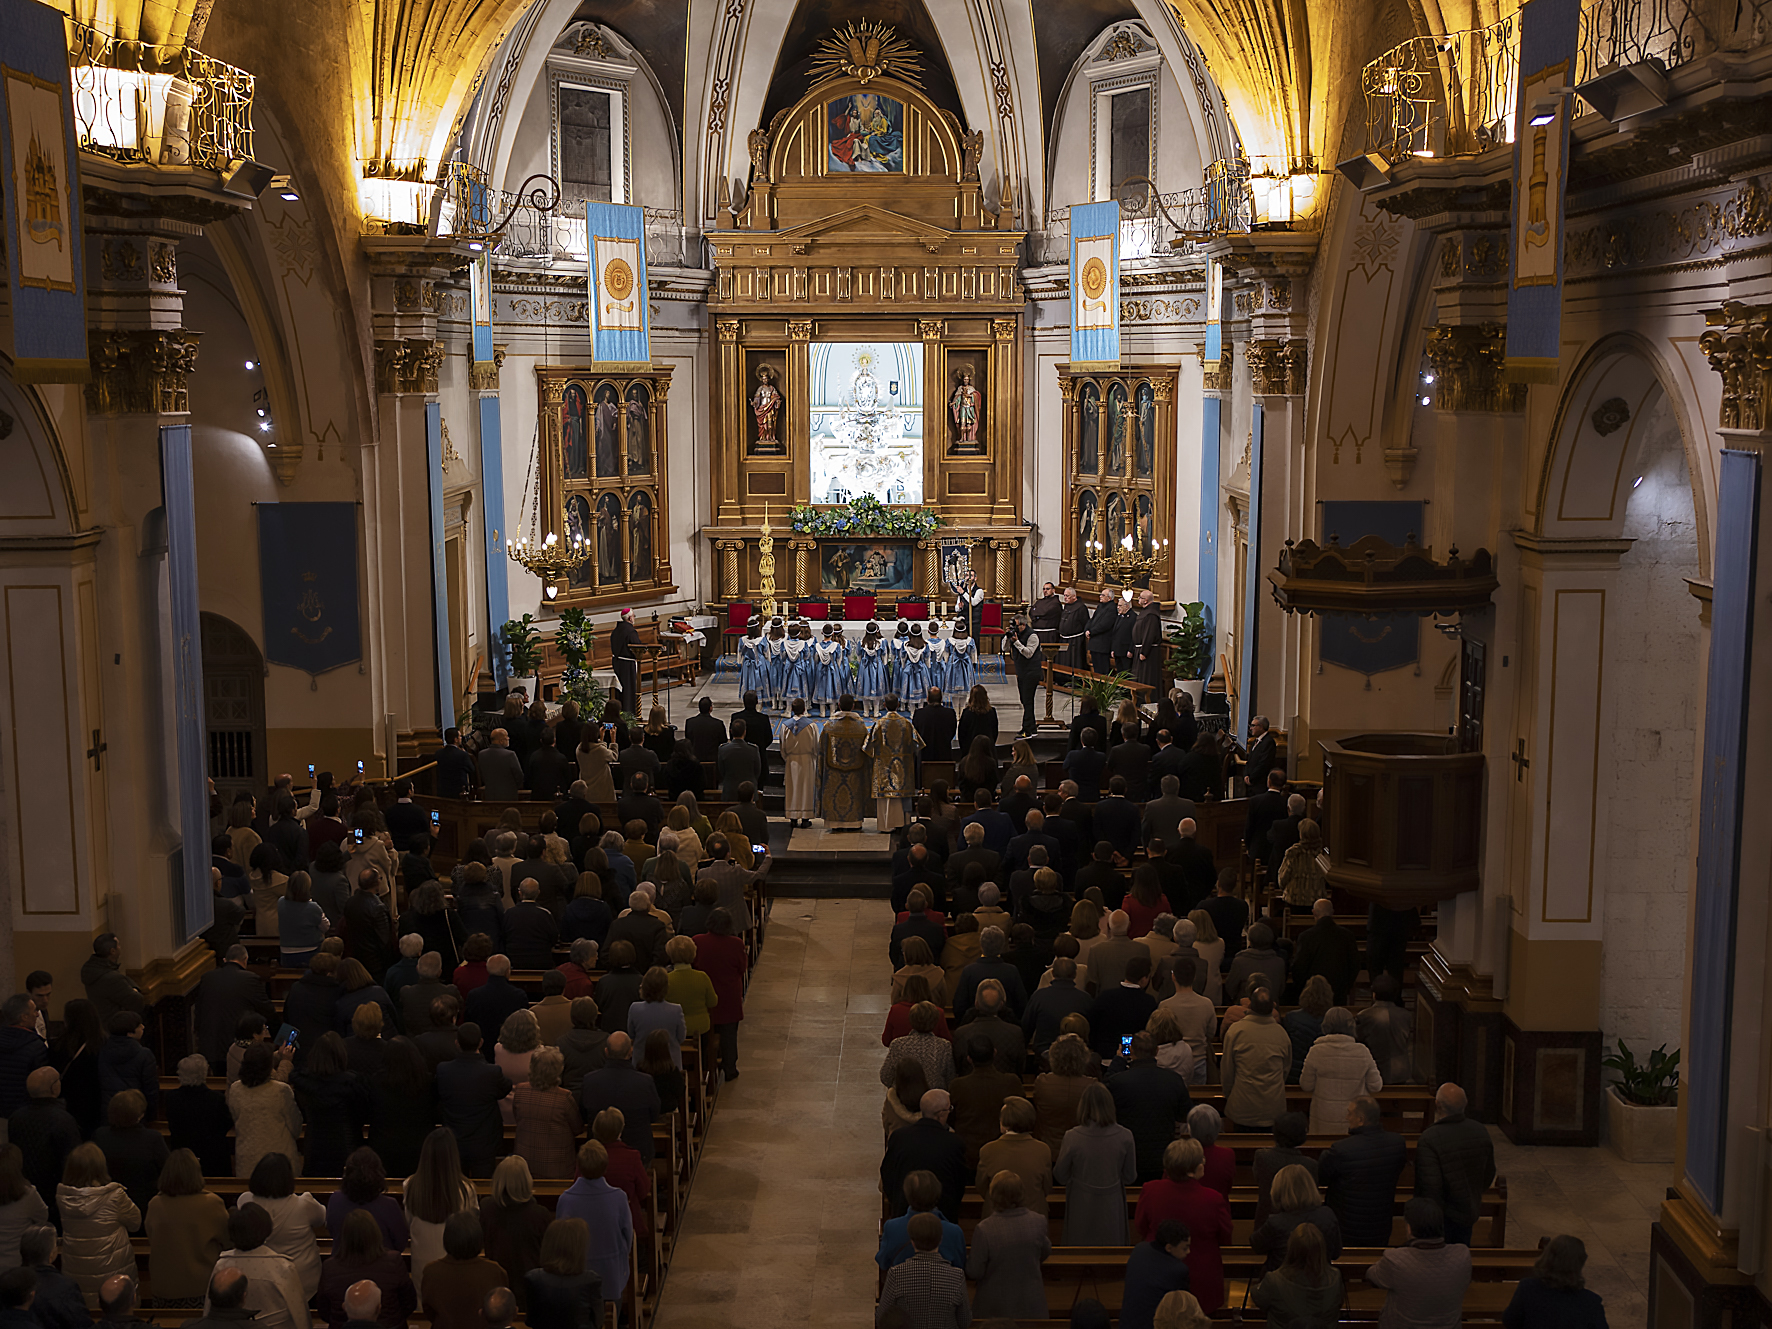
[(233, 708), (37, 497)]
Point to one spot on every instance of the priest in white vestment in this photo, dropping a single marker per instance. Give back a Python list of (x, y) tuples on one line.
[(799, 750)]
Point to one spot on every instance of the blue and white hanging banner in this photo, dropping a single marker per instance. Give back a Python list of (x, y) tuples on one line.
[(39, 165), (1384, 641), (480, 293), (1095, 286), (1214, 313), (178, 498), (620, 322), (1549, 30)]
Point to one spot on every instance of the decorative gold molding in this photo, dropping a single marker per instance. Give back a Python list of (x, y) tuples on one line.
[(1003, 329), (799, 329), (727, 328), (1277, 367), (1468, 361), (1216, 378), (140, 371), (407, 365), (1738, 344), (483, 374), (175, 975), (931, 329)]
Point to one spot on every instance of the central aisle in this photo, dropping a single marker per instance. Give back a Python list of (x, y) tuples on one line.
[(784, 1216)]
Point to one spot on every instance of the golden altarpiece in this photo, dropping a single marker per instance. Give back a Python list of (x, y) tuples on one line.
[(1119, 475), (867, 318), (602, 458)]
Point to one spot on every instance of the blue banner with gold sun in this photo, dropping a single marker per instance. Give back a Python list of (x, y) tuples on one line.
[(39, 163), (307, 570)]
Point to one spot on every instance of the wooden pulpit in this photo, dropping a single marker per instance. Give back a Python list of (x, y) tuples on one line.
[(1405, 817)]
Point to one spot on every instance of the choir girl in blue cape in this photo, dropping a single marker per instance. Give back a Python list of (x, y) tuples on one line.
[(832, 669), (962, 663), (936, 661), (776, 658), (753, 665), (797, 673), (895, 661), (913, 665), (870, 669)]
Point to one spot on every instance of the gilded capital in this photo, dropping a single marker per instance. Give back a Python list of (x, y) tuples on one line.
[(728, 329), (140, 371), (931, 329), (483, 374), (408, 364), (1738, 344), (799, 329), (1468, 362)]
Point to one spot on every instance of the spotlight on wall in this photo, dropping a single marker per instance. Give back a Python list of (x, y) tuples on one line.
[(285, 189), (1427, 378), (252, 364), (1427, 401), (264, 426), (1636, 482)]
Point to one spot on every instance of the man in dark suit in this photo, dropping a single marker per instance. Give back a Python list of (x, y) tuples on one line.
[(489, 1004), (1101, 873), (416, 997), (1150, 1101), (639, 803), (917, 833), (1102, 621), (310, 1003), (367, 926), (1073, 809), (1124, 1008), (916, 923), (999, 827), (469, 1090), (1164, 814), (1130, 759), (974, 852), (224, 994), (919, 872), (455, 768), (1019, 801), (926, 1145), (530, 930), (553, 887), (1168, 759), (1088, 716), (290, 839), (1328, 949), (1283, 834), (616, 1084), (1263, 753), (570, 809), (1117, 820), (1016, 857), (757, 729), (704, 732), (1198, 870), (644, 927), (549, 770), (1068, 834), (739, 761), (1086, 763), (935, 725), (750, 814), (1264, 810), (406, 820), (1359, 1174)]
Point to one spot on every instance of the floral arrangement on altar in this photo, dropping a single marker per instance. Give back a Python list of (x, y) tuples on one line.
[(866, 516)]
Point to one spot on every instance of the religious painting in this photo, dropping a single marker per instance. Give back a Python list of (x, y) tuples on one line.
[(578, 527), (1116, 519), (1116, 409), (865, 567), (865, 421), (586, 135), (574, 433), (866, 134), (44, 218), (605, 418), (639, 430), (1089, 437), (640, 532), (1144, 451), (609, 541), (1088, 532)]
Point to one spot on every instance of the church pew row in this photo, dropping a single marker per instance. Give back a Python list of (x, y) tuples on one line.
[(1490, 1229)]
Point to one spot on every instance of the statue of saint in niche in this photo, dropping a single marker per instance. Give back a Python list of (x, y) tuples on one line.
[(605, 417), (640, 534), (574, 445), (963, 406), (609, 549), (766, 406), (639, 431)]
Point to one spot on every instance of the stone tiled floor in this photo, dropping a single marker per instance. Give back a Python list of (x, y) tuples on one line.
[(784, 1217)]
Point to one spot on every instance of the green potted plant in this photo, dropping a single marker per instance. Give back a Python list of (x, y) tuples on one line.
[(1189, 660), (1105, 689), (577, 683), (1642, 1104), (522, 654)]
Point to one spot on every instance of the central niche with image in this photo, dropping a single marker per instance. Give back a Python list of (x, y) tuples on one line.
[(867, 421), (866, 133)]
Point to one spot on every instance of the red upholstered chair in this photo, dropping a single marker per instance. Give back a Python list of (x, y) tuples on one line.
[(914, 610), (860, 608), (738, 622), (814, 609), (990, 623)]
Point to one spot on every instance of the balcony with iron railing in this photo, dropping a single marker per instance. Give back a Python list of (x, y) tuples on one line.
[(165, 107), (518, 227), (1453, 95)]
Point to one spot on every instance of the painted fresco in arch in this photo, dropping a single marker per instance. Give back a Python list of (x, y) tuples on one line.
[(865, 133)]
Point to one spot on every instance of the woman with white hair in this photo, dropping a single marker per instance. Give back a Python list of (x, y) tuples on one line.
[(1337, 1070)]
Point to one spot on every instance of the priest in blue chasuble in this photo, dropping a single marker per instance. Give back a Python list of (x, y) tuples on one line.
[(843, 766), (893, 745)]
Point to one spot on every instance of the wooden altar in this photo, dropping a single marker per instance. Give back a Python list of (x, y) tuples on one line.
[(900, 249)]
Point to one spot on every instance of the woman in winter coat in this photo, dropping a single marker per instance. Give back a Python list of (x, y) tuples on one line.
[(1337, 1070), (97, 1218), (1096, 1163)]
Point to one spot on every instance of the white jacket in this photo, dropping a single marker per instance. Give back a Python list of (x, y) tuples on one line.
[(1336, 1071)]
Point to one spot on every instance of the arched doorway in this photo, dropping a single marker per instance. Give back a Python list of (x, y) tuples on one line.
[(233, 708)]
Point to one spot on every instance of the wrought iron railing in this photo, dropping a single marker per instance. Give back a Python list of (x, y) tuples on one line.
[(471, 208), (1153, 224), (158, 105), (1444, 96)]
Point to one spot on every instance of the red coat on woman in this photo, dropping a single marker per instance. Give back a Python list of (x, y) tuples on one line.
[(898, 1023), (1208, 1218), (723, 960)]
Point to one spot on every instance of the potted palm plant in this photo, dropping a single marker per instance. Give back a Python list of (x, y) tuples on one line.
[(1190, 650), (523, 654), (1641, 1104)]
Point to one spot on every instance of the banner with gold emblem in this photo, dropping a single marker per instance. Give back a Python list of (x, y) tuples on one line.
[(39, 178), (620, 322), (1095, 286), (307, 568)]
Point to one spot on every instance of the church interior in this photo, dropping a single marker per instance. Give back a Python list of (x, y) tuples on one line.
[(882, 420)]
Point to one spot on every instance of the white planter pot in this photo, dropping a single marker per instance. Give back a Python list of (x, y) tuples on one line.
[(1194, 687), (530, 683), (1639, 1134)]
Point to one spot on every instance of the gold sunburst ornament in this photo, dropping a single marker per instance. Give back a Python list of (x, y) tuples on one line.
[(865, 51)]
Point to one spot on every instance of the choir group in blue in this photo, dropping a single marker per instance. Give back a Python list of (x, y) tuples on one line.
[(792, 662)]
